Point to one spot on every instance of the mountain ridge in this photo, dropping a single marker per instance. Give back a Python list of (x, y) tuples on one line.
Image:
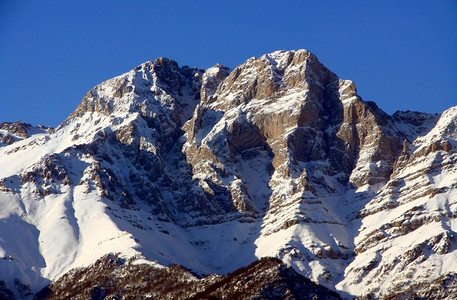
[(214, 169)]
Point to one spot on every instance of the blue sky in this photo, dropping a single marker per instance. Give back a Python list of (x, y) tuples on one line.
[(400, 54)]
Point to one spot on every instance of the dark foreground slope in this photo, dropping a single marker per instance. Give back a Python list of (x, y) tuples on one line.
[(113, 278)]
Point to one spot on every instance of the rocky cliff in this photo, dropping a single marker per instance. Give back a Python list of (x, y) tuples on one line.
[(213, 169)]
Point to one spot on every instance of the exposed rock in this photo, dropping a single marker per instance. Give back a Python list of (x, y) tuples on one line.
[(18, 129), (11, 132), (444, 287), (213, 169)]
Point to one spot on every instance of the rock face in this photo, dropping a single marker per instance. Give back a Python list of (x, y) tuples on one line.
[(444, 287), (213, 169), (11, 132), (407, 230)]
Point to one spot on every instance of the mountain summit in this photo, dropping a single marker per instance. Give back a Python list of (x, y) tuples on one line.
[(214, 169)]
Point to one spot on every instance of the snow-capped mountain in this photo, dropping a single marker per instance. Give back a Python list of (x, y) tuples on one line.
[(213, 169)]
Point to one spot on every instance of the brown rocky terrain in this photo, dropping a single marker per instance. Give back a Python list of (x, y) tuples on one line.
[(114, 278)]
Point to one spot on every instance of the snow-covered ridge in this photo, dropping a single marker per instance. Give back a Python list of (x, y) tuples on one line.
[(214, 169), (445, 128), (11, 132)]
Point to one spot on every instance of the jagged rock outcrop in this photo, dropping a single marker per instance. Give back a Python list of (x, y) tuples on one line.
[(444, 287), (213, 169), (11, 132), (288, 100)]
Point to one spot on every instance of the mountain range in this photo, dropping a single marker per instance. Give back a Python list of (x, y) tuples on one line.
[(214, 169)]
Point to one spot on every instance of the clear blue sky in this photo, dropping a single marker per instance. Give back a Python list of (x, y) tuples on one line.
[(400, 54)]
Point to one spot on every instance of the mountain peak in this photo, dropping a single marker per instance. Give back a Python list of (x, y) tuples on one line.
[(213, 169), (163, 61)]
